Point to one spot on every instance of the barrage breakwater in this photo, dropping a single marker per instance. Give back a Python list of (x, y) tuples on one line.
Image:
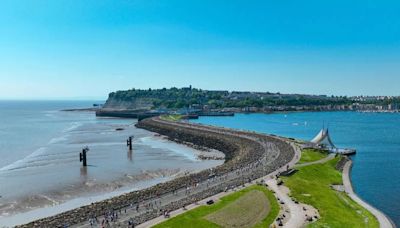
[(249, 156)]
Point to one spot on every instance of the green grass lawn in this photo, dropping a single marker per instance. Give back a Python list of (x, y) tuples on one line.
[(231, 207), (311, 185), (245, 212), (311, 155), (171, 117)]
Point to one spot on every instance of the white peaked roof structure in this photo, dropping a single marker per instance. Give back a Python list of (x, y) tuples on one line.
[(323, 138)]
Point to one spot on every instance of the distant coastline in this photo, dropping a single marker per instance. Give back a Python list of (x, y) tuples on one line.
[(191, 100), (142, 114), (80, 110)]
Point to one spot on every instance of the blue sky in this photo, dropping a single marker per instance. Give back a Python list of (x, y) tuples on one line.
[(74, 49)]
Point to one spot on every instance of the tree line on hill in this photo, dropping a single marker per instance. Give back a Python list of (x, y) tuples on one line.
[(176, 98)]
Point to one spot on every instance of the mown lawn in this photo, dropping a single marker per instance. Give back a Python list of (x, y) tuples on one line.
[(311, 155), (229, 206), (311, 185), (254, 204)]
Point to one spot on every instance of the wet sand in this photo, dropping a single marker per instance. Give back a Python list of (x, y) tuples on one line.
[(248, 156), (53, 180)]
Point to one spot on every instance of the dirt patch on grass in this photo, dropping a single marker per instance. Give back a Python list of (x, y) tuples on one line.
[(246, 211)]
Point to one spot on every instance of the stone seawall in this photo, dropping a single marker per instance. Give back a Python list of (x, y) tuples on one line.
[(257, 154), (342, 162)]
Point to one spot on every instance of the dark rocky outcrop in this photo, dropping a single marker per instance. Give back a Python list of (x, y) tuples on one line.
[(341, 163)]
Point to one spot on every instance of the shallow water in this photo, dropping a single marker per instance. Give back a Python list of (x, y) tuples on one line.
[(40, 158), (376, 136)]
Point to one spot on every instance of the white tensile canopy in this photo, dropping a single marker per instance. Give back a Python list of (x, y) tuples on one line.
[(323, 138)]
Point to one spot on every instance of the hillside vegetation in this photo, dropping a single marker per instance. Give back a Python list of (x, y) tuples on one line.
[(190, 97)]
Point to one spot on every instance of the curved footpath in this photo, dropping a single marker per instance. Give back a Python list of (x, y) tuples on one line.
[(295, 217), (323, 160), (384, 221), (249, 156)]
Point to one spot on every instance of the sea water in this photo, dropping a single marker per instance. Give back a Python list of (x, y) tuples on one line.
[(376, 136), (40, 167)]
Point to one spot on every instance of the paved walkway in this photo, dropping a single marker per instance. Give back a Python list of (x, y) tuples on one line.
[(217, 197), (327, 158), (297, 213), (161, 219), (384, 221), (155, 204)]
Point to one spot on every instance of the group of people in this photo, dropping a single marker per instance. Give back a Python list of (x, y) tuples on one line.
[(244, 167), (109, 217)]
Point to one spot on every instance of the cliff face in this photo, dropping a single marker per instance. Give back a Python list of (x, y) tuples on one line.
[(137, 103)]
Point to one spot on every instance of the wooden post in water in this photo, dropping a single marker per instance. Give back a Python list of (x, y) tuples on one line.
[(82, 156), (129, 142)]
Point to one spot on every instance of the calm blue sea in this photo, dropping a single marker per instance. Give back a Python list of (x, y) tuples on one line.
[(376, 136), (28, 125)]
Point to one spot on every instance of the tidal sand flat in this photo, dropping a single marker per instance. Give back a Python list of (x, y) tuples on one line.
[(47, 178)]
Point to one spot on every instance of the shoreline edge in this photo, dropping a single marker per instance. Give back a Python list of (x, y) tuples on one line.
[(384, 220)]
